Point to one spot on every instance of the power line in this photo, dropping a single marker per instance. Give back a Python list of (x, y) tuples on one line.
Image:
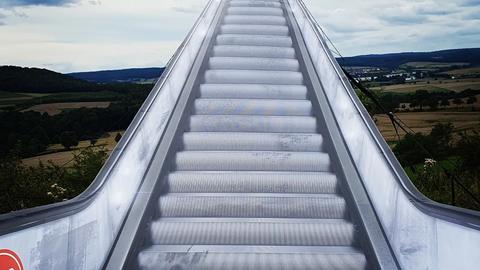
[(396, 121)]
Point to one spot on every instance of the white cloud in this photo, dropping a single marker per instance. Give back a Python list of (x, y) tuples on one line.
[(379, 26), (98, 34), (115, 34)]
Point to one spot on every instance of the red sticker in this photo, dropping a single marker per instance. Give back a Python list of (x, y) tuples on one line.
[(9, 260)]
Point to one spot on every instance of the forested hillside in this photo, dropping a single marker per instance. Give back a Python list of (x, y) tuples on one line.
[(121, 75), (36, 80)]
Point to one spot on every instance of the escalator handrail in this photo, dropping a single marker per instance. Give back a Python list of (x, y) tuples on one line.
[(26, 218), (457, 215)]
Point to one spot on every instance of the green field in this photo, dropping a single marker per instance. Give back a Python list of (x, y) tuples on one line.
[(9, 95), (432, 86), (432, 65), (21, 101)]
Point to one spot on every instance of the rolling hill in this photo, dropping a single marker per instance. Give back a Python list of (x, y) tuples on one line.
[(122, 75), (393, 60), (36, 80), (15, 79)]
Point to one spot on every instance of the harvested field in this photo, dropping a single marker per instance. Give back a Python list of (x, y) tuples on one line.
[(446, 85), (63, 157), (56, 108), (464, 71), (424, 121)]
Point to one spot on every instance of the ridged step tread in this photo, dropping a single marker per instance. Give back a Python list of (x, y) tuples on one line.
[(249, 3), (253, 91), (253, 76), (252, 161), (250, 187), (248, 141), (255, 19), (253, 63), (252, 107), (251, 182), (258, 206), (224, 232), (254, 40), (255, 11), (197, 257), (253, 123), (253, 51), (279, 30)]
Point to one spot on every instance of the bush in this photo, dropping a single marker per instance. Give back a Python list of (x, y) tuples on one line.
[(68, 139), (26, 187), (456, 163)]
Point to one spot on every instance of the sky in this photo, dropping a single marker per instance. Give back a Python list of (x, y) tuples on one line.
[(84, 35)]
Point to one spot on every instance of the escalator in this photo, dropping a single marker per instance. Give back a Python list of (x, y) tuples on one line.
[(253, 158), (252, 184)]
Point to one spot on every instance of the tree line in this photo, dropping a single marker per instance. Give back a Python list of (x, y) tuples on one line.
[(29, 133), (419, 100)]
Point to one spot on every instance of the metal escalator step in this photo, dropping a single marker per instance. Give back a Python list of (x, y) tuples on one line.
[(254, 63), (247, 91), (244, 141), (254, 40), (253, 107), (255, 11), (253, 51), (250, 186), (252, 161), (255, 19), (249, 3), (251, 182), (261, 232), (253, 76), (253, 123), (198, 257), (237, 205), (279, 30)]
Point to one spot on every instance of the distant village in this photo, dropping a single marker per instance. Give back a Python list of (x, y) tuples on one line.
[(408, 73)]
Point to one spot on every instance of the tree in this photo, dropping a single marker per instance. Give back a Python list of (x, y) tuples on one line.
[(118, 137), (458, 101), (86, 165), (444, 102), (471, 100), (34, 146), (413, 104), (421, 97), (11, 172), (468, 148), (441, 135), (40, 133), (407, 150), (68, 139), (432, 103)]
